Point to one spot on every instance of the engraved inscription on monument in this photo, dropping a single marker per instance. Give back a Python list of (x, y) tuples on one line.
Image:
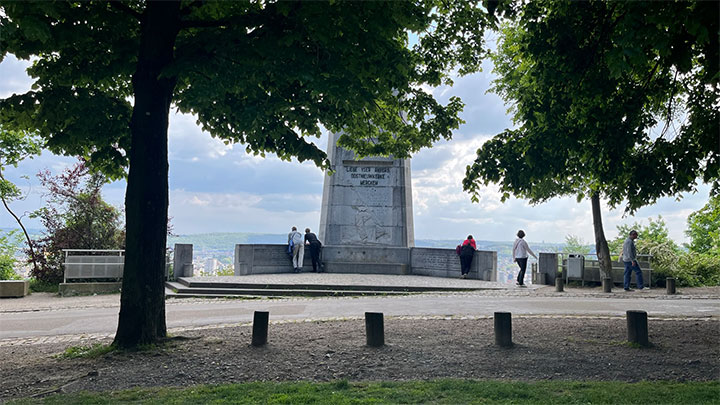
[(367, 201), (368, 176)]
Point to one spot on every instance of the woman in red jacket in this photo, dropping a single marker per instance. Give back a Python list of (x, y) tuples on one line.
[(467, 252)]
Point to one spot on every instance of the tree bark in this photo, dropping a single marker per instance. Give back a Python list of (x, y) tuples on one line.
[(142, 303), (601, 245)]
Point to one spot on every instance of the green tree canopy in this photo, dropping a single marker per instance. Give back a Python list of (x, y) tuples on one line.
[(655, 233), (265, 74), (612, 99), (704, 228)]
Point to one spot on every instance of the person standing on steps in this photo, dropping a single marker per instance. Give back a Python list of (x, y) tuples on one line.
[(314, 243), (629, 258), (467, 252), (520, 252), (298, 251)]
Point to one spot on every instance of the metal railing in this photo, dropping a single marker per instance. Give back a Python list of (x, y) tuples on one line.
[(97, 264), (644, 261)]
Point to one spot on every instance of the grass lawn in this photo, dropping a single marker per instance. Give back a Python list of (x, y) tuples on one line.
[(410, 392)]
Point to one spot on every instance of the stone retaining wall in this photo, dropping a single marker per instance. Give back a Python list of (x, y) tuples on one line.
[(269, 258), (446, 263)]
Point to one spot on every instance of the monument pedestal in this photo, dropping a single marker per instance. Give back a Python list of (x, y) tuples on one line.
[(366, 202)]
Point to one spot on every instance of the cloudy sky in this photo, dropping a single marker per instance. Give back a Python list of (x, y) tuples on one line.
[(219, 188)]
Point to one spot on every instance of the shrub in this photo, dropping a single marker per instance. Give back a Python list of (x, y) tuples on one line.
[(8, 246), (697, 269), (7, 270), (42, 286)]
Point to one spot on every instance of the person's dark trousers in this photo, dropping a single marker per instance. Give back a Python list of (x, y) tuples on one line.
[(629, 268), (522, 262), (465, 263), (315, 255)]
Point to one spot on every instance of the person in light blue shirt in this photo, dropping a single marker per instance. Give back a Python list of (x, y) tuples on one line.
[(298, 252), (629, 258)]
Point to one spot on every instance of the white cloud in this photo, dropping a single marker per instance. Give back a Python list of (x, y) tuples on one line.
[(195, 200), (242, 212)]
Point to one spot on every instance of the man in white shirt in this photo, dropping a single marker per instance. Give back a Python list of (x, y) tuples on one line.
[(629, 258), (520, 252), (298, 251)]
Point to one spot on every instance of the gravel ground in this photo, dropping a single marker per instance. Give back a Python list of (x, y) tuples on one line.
[(559, 348)]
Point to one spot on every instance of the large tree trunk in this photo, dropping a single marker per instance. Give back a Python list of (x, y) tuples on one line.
[(142, 304), (601, 245)]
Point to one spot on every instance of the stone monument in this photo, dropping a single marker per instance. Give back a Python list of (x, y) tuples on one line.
[(366, 202), (366, 226)]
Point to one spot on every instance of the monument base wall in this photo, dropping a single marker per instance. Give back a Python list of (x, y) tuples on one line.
[(446, 263), (268, 259)]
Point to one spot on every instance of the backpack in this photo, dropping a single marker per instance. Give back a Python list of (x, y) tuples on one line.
[(458, 249), (290, 246)]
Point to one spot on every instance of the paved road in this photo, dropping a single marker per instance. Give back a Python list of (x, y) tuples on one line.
[(97, 316)]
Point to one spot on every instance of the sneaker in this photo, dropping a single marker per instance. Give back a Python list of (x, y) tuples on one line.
[(463, 275), (628, 289)]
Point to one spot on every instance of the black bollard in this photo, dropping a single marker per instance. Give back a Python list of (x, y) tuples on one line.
[(503, 329), (670, 283), (260, 328), (607, 284), (374, 329), (637, 326), (559, 283)]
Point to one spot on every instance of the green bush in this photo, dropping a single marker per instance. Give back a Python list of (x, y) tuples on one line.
[(7, 270), (690, 269), (8, 246), (43, 286), (696, 270)]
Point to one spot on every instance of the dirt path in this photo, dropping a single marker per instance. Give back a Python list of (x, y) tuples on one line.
[(566, 348)]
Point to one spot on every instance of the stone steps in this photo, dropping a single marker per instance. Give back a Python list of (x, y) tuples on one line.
[(193, 288), (181, 290), (344, 287)]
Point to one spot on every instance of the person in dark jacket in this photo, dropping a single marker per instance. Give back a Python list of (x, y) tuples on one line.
[(467, 252), (314, 243)]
